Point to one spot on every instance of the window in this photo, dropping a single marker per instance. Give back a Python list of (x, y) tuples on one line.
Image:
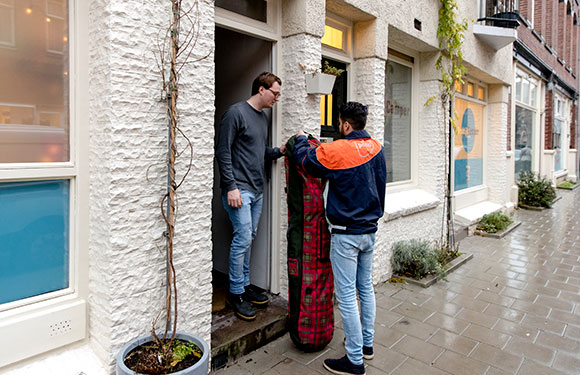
[(329, 104), (56, 32), (7, 22), (468, 144), (336, 36), (526, 90), (255, 9), (398, 119), (35, 197), (558, 127)]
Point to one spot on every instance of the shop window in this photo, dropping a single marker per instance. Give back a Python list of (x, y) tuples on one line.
[(254, 9), (468, 144), (34, 113), (34, 129), (524, 150), (470, 89), (398, 120), (7, 22), (34, 238), (480, 93), (559, 125), (329, 104)]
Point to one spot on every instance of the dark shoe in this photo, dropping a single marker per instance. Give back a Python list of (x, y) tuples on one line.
[(368, 352), (343, 366), (256, 297), (241, 307)]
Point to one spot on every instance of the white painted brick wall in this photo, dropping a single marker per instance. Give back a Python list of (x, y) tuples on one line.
[(496, 152), (128, 150)]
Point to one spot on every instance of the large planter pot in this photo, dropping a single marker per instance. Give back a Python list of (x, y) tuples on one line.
[(319, 83), (200, 368)]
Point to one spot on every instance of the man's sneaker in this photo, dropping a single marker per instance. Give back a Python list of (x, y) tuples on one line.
[(255, 297), (241, 307), (343, 366), (368, 352)]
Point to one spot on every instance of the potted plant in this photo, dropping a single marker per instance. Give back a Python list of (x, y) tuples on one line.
[(322, 81), (167, 350)]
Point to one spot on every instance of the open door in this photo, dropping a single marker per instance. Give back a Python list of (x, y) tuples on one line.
[(239, 59)]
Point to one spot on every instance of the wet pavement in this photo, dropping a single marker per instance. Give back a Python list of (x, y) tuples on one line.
[(513, 309)]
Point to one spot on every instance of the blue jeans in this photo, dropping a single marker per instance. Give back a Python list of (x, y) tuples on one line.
[(352, 263), (245, 222)]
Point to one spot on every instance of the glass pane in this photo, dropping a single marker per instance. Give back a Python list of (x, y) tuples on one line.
[(398, 85), (34, 94), (524, 140), (329, 130), (533, 94), (481, 93), (255, 9), (518, 88), (459, 87), (470, 89), (332, 37), (6, 23), (468, 145), (34, 238), (526, 91)]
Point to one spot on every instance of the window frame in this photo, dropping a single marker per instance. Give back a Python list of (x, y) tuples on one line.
[(395, 186), (11, 9), (268, 30), (29, 316)]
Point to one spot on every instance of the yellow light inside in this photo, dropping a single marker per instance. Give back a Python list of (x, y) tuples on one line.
[(322, 110), (480, 94), (458, 86), (66, 73), (28, 11), (332, 37), (47, 19), (470, 89), (329, 109), (65, 39)]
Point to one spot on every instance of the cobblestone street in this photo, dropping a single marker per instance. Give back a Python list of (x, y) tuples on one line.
[(513, 309)]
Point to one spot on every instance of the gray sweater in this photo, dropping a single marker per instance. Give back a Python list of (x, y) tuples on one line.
[(241, 148)]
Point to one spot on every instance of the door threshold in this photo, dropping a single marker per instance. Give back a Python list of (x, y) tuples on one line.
[(232, 338)]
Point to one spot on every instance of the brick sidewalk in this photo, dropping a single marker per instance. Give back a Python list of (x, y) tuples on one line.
[(513, 309)]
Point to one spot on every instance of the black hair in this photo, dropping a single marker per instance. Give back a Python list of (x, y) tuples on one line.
[(355, 114)]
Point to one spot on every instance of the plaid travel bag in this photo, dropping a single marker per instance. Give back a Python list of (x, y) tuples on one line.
[(310, 281)]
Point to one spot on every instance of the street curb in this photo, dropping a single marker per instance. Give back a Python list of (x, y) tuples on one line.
[(501, 234), (427, 281)]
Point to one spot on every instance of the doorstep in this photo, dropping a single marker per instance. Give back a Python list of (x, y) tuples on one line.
[(232, 338)]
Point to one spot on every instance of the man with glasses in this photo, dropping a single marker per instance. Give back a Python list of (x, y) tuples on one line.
[(241, 151)]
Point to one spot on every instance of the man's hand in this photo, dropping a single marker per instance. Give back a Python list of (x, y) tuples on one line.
[(234, 198), (283, 148), (300, 132)]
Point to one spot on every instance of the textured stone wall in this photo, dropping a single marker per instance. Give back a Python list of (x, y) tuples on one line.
[(128, 145), (299, 111), (497, 112)]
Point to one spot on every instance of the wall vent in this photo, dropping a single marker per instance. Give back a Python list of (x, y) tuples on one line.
[(60, 328)]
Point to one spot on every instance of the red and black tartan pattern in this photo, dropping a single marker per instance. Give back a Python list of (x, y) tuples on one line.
[(310, 307)]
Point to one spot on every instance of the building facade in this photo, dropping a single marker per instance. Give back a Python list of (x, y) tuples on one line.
[(83, 147), (545, 90)]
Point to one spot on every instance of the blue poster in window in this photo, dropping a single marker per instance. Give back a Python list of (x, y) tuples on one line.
[(34, 238), (468, 145)]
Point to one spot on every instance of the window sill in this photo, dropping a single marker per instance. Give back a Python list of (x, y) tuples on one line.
[(408, 202)]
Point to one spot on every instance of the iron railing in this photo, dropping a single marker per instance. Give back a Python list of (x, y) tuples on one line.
[(501, 13)]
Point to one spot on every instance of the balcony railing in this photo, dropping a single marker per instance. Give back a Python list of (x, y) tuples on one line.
[(502, 13)]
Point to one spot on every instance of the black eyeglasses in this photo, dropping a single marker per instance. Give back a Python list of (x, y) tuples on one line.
[(276, 93)]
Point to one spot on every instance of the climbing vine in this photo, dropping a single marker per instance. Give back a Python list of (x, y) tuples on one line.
[(451, 33)]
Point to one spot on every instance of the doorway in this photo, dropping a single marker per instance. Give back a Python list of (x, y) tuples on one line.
[(239, 58)]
